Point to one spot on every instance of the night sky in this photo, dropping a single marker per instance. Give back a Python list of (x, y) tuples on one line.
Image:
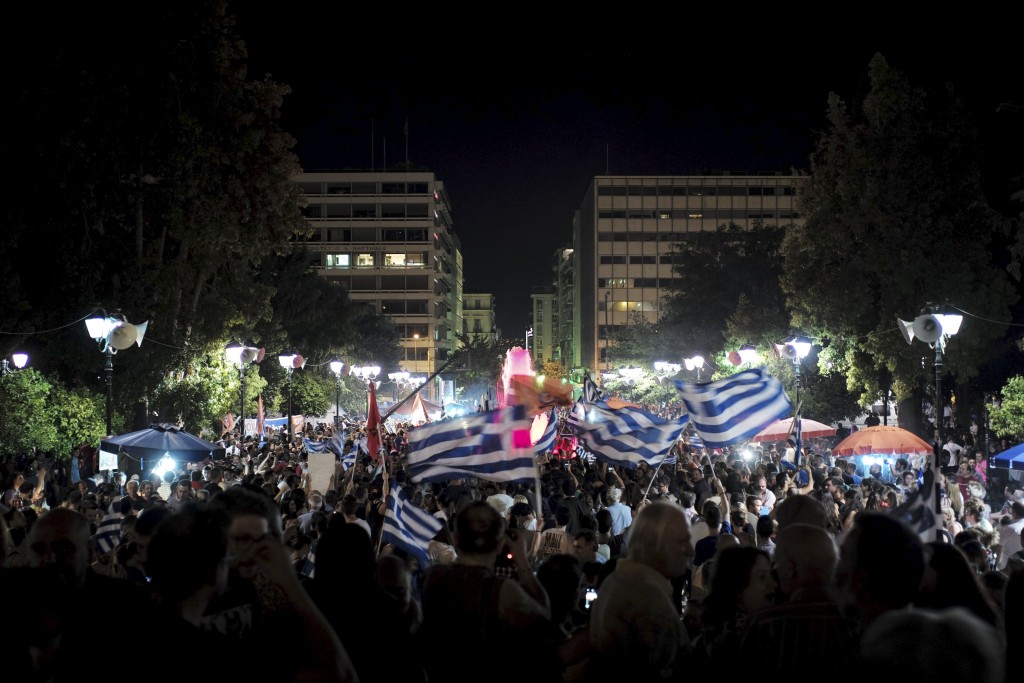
[(516, 120)]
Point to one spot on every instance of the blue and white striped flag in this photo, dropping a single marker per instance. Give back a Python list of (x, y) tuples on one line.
[(547, 439), (409, 526), (349, 458), (494, 446), (735, 408), (628, 435), (108, 533), (591, 393)]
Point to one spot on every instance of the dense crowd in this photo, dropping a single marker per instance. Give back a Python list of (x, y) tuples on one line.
[(795, 566)]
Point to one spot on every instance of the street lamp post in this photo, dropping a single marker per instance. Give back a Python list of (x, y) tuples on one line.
[(801, 347), (20, 361), (240, 355), (367, 373), (99, 326), (336, 366), (288, 362), (631, 375), (935, 326)]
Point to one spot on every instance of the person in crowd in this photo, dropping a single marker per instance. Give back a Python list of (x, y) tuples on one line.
[(938, 646), (807, 628), (741, 583), (881, 564), (265, 605), (467, 608), (950, 581), (622, 515), (635, 629)]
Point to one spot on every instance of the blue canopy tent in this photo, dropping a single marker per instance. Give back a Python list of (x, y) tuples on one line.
[(139, 451), (1010, 459)]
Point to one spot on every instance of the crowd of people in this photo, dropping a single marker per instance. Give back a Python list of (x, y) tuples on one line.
[(794, 566)]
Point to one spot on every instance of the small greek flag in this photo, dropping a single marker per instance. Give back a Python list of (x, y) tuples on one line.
[(409, 526), (108, 533), (735, 408), (547, 439)]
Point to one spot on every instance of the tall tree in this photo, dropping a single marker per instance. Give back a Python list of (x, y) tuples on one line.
[(895, 218)]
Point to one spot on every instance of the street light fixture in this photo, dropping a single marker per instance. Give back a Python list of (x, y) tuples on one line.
[(796, 349), (694, 363), (367, 373), (336, 366), (665, 369), (631, 375), (748, 354), (20, 361)]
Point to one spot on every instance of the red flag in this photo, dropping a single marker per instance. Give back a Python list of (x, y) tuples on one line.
[(229, 423), (373, 424), (260, 417)]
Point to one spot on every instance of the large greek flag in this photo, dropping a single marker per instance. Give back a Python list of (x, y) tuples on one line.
[(494, 446), (627, 435), (735, 408), (409, 527)]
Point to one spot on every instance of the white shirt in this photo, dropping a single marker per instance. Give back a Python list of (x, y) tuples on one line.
[(1009, 538)]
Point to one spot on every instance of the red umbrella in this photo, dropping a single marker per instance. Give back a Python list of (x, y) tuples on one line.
[(882, 439), (780, 430)]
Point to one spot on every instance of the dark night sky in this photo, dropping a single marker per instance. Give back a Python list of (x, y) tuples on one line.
[(517, 124)]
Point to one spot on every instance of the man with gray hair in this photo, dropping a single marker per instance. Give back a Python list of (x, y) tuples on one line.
[(635, 630), (622, 515)]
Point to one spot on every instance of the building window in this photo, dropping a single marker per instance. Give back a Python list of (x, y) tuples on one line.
[(364, 260), (338, 260)]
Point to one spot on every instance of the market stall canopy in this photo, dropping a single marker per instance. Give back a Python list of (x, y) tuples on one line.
[(1010, 459), (780, 430), (882, 439), (147, 446)]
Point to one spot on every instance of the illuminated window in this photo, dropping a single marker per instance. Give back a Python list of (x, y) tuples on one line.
[(364, 260), (394, 260), (338, 260)]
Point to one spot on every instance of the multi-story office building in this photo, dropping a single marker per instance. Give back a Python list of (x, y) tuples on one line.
[(388, 239), (624, 232), (564, 320), (542, 341), (478, 317)]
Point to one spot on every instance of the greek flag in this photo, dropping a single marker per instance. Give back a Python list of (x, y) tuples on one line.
[(494, 446), (735, 408), (409, 527), (920, 510), (108, 533), (591, 394), (628, 435), (547, 439)]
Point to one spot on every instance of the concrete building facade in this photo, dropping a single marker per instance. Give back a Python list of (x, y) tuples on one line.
[(623, 237), (388, 239)]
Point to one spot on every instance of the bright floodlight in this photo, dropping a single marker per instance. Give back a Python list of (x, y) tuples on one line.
[(99, 326), (802, 346), (950, 322), (694, 363), (286, 360), (233, 353), (336, 366), (20, 360), (748, 354), (630, 373), (165, 465)]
